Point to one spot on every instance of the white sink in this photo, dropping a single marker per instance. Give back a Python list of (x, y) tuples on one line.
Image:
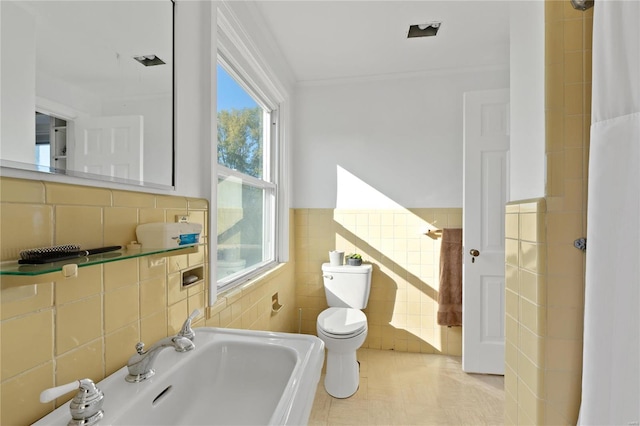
[(233, 377)]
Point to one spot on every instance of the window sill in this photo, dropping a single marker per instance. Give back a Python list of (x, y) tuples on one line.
[(232, 295)]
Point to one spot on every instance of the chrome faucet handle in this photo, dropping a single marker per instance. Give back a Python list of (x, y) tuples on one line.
[(186, 330), (86, 405)]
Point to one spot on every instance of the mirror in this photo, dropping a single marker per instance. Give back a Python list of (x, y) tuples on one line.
[(87, 89)]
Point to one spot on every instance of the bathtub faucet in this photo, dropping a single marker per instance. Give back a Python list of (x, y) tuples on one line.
[(140, 365)]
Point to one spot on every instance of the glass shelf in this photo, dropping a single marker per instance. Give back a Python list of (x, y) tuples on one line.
[(13, 268)]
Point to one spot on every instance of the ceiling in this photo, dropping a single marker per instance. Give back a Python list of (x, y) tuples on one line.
[(327, 40)]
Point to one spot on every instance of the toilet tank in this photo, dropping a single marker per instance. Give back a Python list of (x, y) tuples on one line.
[(347, 286)]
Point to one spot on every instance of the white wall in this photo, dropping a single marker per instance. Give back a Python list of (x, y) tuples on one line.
[(18, 97), (399, 139), (527, 156)]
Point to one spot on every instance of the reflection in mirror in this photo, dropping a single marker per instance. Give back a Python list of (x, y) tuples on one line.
[(87, 89)]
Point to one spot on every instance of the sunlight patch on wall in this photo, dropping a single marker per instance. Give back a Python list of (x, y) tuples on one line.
[(353, 193)]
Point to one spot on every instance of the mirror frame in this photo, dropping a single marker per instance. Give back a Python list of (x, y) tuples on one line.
[(28, 167)]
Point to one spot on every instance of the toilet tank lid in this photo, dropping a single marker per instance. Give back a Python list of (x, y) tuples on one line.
[(349, 269)]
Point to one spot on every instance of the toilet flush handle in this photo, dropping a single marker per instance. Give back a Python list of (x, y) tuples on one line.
[(329, 277)]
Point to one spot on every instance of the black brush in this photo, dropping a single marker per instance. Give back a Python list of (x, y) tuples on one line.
[(41, 256)]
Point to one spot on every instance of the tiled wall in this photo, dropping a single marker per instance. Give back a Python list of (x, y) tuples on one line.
[(55, 332), (402, 307), (544, 387), (526, 310)]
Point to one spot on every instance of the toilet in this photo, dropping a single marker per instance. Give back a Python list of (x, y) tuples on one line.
[(343, 326)]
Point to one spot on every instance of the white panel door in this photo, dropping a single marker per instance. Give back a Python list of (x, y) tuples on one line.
[(486, 148), (108, 146)]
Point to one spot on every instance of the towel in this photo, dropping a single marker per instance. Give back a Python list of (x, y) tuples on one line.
[(450, 293)]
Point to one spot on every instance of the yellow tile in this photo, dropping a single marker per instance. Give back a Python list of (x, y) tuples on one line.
[(529, 228), (120, 225), (565, 290), (563, 354), (532, 287), (565, 260), (20, 396), (24, 299), (176, 315), (512, 208), (511, 355), (198, 204), (119, 346), (512, 304), (21, 191), (564, 227), (121, 307), (574, 158), (511, 226), (87, 283), (564, 322), (86, 361), (151, 215), (555, 173), (154, 327), (153, 297), (554, 43), (120, 274), (573, 66), (573, 99), (78, 323), (563, 385), (196, 259), (573, 130), (588, 66), (511, 252), (532, 346), (532, 256), (554, 94), (510, 407), (58, 193), (133, 199), (533, 317), (512, 330), (530, 406), (553, 11), (36, 328), (175, 292), (177, 263), (512, 278), (554, 132), (24, 226), (171, 202), (573, 35), (156, 269), (79, 225), (198, 217)]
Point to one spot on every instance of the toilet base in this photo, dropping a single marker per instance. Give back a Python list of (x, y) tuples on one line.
[(343, 374)]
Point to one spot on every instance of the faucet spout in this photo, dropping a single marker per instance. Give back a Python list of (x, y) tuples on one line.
[(140, 364)]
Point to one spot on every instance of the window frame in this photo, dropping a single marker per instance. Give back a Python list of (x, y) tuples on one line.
[(241, 61)]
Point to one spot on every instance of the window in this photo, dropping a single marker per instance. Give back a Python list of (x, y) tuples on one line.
[(246, 201)]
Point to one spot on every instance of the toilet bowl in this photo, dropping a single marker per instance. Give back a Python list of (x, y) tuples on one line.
[(343, 331), (343, 326)]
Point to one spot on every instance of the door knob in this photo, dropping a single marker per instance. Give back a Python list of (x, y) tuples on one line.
[(474, 253)]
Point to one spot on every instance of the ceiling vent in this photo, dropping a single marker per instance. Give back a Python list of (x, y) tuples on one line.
[(429, 29), (149, 60)]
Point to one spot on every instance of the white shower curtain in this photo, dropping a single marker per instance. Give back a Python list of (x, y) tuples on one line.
[(611, 359)]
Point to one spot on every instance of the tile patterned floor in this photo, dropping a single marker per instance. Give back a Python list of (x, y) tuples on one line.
[(400, 388)]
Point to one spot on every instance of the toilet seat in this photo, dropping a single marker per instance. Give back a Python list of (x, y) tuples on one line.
[(342, 323)]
